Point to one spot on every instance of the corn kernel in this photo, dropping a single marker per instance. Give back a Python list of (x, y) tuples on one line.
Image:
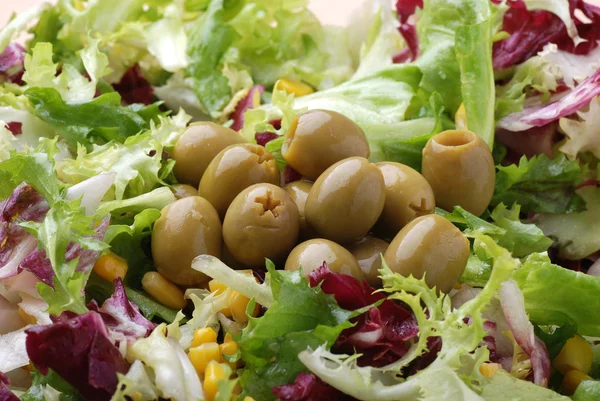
[(238, 304), (26, 317), (489, 369), (228, 337), (229, 348), (218, 288), (248, 398), (163, 290), (296, 87), (460, 118), (111, 266), (203, 354), (572, 380), (215, 372), (576, 354), (204, 335)]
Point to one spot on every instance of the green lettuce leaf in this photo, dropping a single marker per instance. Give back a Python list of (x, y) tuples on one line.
[(33, 168), (558, 296), (300, 317), (504, 387), (588, 390), (51, 379), (136, 383), (577, 234), (540, 185), (555, 338), (580, 134), (19, 23)]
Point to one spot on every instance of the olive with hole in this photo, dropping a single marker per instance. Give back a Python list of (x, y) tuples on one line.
[(183, 191), (346, 200), (429, 246), (407, 195), (319, 138), (196, 148), (187, 228), (298, 190), (261, 222), (235, 169), (311, 254), (460, 169), (368, 253)]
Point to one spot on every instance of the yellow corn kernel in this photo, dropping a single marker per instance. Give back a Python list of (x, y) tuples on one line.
[(576, 354), (203, 336), (296, 87), (228, 337), (215, 372), (218, 288), (203, 354), (489, 369), (460, 118), (248, 398), (229, 348), (163, 290), (110, 266), (26, 317), (572, 380), (238, 304)]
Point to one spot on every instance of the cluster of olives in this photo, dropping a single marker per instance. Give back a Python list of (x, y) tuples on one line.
[(345, 211)]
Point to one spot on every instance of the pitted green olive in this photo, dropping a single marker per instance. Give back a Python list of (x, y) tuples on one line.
[(196, 148), (407, 195), (460, 168), (261, 222), (346, 200), (187, 228), (299, 190), (368, 252), (234, 169), (319, 138), (311, 254), (429, 246), (183, 191)]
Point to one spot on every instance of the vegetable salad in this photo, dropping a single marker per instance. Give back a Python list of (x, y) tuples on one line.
[(228, 200)]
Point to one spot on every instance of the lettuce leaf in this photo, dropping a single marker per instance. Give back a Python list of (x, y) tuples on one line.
[(558, 296), (33, 168), (299, 317), (577, 234), (51, 379), (580, 133), (540, 185), (588, 390), (503, 386)]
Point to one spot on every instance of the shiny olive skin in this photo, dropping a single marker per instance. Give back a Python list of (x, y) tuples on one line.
[(187, 228), (196, 148), (261, 222), (367, 253), (346, 200), (431, 246), (460, 169), (298, 190), (319, 138), (183, 191), (311, 254), (234, 169), (407, 195)]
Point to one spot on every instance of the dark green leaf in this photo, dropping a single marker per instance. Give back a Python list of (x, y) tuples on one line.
[(540, 185), (39, 382), (555, 339)]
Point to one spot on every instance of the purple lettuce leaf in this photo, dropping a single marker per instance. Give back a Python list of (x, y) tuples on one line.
[(251, 101)]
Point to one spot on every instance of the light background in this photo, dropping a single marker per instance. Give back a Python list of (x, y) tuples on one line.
[(329, 11)]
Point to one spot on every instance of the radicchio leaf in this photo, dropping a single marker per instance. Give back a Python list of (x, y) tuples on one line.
[(251, 101), (5, 393), (406, 9), (513, 306), (382, 335), (308, 387), (123, 316), (79, 350), (538, 116), (134, 88), (11, 63), (24, 204)]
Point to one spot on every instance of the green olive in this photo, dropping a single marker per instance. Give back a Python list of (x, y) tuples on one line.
[(311, 254), (234, 169), (183, 191), (431, 246), (196, 148), (367, 253), (230, 261), (299, 190), (407, 195), (261, 222), (460, 168), (319, 138), (346, 200), (187, 228)]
